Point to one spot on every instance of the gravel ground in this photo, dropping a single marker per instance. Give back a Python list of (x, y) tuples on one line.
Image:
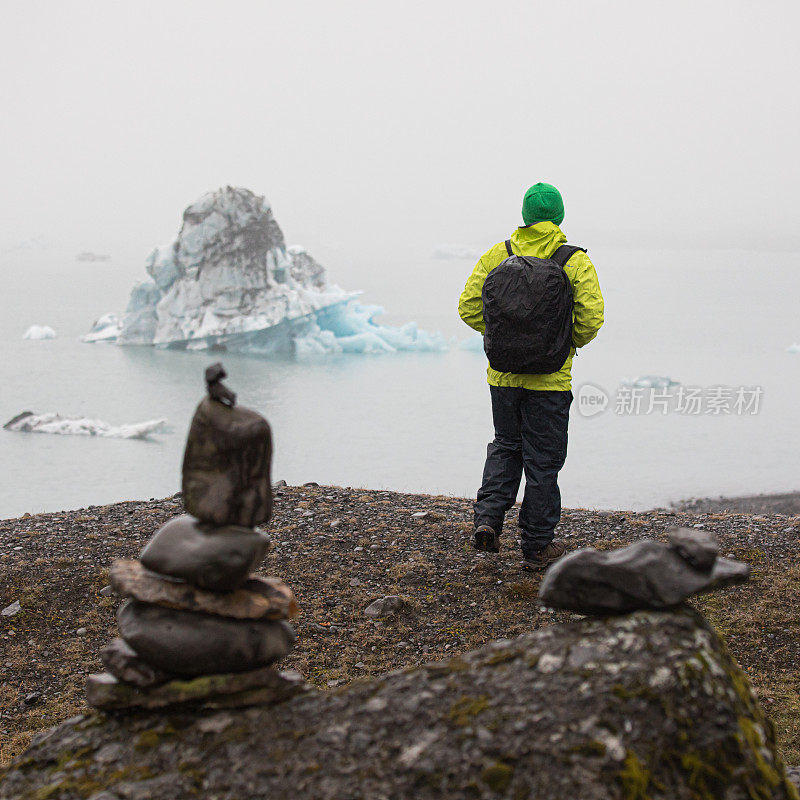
[(340, 549)]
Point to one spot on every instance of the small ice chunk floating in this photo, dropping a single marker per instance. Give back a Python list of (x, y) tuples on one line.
[(28, 422)]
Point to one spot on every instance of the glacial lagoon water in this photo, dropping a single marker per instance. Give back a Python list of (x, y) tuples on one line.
[(420, 422)]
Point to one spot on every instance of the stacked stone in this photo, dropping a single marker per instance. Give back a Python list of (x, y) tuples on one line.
[(196, 624)]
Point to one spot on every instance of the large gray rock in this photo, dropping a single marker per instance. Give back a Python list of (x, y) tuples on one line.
[(384, 606), (647, 574), (257, 598), (643, 706), (213, 558), (226, 465), (188, 643)]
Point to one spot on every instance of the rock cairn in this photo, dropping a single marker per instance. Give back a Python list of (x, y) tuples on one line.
[(644, 575), (196, 625)]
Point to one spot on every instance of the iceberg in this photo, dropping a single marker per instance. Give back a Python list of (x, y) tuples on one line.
[(105, 329), (350, 328), (39, 332), (793, 348), (28, 422), (650, 382), (473, 343), (456, 251), (229, 282)]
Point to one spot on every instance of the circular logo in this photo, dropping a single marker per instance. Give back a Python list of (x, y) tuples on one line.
[(592, 400)]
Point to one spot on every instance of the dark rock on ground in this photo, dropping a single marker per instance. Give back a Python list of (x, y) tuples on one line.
[(226, 466), (642, 706), (12, 609), (384, 606), (233, 690), (188, 643), (213, 558), (647, 574), (257, 597), (121, 660)]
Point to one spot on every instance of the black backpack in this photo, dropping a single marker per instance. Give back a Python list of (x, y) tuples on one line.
[(527, 308)]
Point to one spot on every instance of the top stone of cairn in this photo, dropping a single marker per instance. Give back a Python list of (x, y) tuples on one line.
[(226, 478)]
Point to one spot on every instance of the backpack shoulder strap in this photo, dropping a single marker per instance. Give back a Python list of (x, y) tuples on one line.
[(564, 253), (508, 247)]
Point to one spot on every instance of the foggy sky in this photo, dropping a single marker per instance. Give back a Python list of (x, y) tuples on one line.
[(375, 127)]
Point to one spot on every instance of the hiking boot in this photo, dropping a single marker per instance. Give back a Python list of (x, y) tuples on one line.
[(545, 557), (487, 539)]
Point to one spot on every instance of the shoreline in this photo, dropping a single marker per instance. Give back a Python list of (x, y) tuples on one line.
[(778, 503), (786, 503), (339, 549)]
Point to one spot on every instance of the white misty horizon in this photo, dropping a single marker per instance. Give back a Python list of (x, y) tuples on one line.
[(371, 130)]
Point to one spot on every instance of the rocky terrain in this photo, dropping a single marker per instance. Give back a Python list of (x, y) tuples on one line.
[(340, 549), (648, 705)]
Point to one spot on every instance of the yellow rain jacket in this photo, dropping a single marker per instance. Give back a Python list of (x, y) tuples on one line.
[(540, 241)]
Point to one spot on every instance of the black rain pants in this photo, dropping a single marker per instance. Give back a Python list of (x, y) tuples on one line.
[(530, 434)]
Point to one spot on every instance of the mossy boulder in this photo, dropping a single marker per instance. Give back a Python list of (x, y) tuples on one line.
[(649, 705)]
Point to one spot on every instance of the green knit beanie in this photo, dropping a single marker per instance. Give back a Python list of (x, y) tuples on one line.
[(542, 202)]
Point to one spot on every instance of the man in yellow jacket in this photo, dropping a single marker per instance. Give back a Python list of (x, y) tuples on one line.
[(531, 412)]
